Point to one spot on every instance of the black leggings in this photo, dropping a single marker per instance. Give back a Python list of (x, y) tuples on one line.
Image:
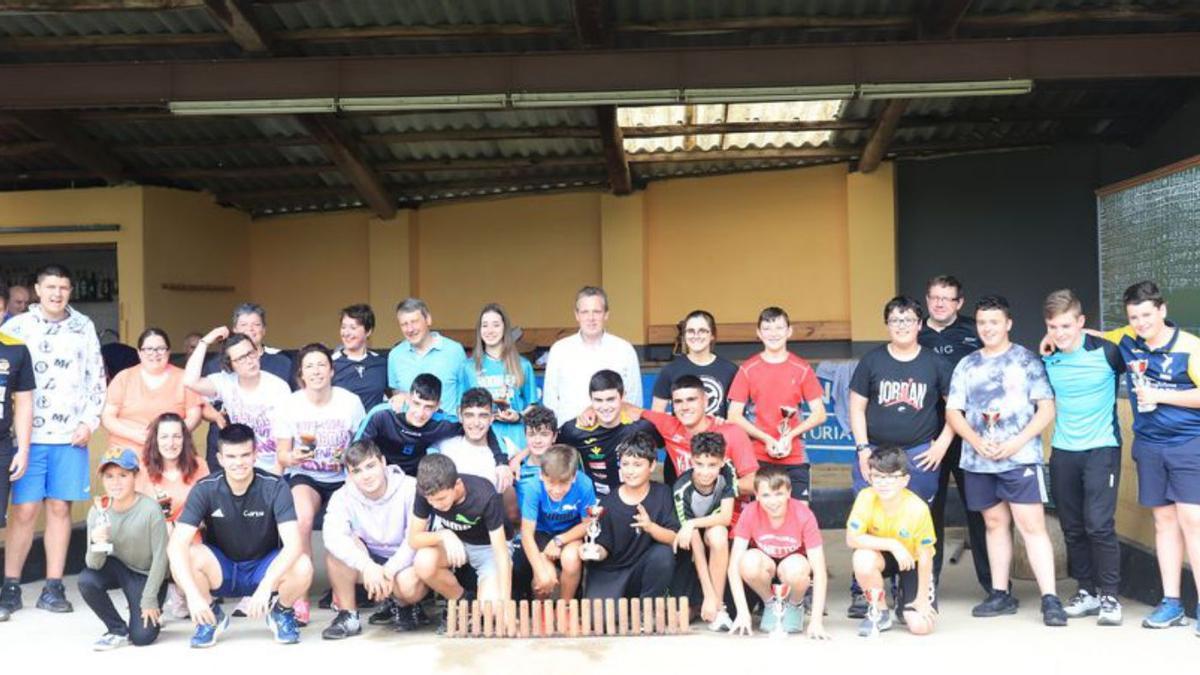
[(1084, 485), (94, 586)]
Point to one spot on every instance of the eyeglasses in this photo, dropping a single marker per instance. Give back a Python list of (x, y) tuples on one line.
[(153, 350), (887, 477), (697, 332), (902, 323), (935, 299), (244, 358)]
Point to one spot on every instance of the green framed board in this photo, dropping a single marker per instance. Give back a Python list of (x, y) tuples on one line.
[(1149, 228)]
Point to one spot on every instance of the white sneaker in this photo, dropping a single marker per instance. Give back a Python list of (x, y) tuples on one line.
[(109, 642), (175, 606), (721, 622), (243, 607), (1081, 604), (1110, 611)]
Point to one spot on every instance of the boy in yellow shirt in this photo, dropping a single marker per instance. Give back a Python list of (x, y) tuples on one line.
[(891, 533)]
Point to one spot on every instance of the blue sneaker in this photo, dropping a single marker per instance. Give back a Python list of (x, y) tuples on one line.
[(282, 623), (206, 634), (1168, 613)]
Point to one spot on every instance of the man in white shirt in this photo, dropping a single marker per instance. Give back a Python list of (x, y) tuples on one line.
[(574, 359)]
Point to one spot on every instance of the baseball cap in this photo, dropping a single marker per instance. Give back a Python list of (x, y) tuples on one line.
[(123, 457)]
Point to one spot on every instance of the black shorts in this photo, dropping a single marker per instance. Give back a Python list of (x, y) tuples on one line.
[(799, 475), (909, 581), (7, 452), (325, 490)]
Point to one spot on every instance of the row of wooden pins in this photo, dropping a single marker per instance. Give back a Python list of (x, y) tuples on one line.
[(563, 618)]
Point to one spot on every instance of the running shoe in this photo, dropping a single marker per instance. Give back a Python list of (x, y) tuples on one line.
[(10, 597), (858, 606), (109, 642), (873, 625), (793, 618), (1110, 611), (1168, 613), (206, 634), (54, 598), (1053, 613), (997, 604), (345, 624), (283, 624), (407, 619), (1082, 604), (770, 616), (721, 622), (386, 615)]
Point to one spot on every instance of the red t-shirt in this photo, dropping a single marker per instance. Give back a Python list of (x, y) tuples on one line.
[(770, 386), (678, 441), (799, 533)]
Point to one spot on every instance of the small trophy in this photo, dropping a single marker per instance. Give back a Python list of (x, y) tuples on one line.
[(991, 417), (103, 504), (779, 594), (164, 501), (590, 549), (502, 399), (1137, 370), (875, 599), (308, 443), (786, 413)]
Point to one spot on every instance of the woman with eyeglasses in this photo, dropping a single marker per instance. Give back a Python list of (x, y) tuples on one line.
[(138, 395), (695, 356)]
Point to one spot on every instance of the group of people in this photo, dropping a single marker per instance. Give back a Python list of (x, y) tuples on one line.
[(431, 473)]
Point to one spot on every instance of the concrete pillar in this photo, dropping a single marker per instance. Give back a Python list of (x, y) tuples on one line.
[(623, 264), (871, 219)]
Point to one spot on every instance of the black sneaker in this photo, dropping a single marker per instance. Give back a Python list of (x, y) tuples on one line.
[(10, 597), (444, 622), (406, 618), (997, 604), (54, 599), (858, 606), (386, 615), (1053, 613), (344, 625), (422, 616), (326, 601)]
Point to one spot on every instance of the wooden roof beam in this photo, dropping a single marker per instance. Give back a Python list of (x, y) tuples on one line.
[(615, 160), (238, 19), (342, 151), (71, 142)]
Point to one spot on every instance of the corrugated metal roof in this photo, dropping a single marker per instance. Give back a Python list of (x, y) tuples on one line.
[(703, 114)]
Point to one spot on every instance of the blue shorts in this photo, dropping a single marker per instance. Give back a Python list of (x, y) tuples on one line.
[(239, 579), (56, 471), (1167, 475), (1022, 485), (923, 483)]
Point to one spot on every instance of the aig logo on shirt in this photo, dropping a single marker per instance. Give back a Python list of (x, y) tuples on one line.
[(4, 366)]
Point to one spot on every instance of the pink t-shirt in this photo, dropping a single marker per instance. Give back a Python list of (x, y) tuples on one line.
[(799, 532), (138, 404)]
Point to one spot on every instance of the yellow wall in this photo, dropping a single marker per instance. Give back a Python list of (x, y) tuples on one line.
[(735, 244), (871, 224), (190, 240), (304, 268)]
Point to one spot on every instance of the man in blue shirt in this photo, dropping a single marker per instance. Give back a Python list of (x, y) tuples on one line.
[(1085, 464), (424, 351)]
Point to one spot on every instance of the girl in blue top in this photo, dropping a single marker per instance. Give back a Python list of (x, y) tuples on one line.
[(496, 366)]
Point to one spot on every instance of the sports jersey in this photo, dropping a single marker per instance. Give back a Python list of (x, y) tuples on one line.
[(799, 532), (366, 378), (244, 527), (902, 396), (67, 368), (16, 375), (1012, 383), (1085, 395), (717, 378), (909, 523), (678, 442), (766, 388), (556, 517), (473, 518), (598, 447), (403, 444), (691, 503), (1175, 365), (331, 425), (468, 458), (502, 385), (952, 342)]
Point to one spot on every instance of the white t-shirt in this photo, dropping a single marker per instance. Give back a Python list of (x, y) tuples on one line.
[(470, 459), (255, 408), (332, 426)]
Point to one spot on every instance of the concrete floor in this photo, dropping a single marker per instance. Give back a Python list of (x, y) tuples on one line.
[(1012, 645)]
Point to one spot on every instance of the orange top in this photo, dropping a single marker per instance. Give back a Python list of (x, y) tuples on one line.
[(138, 404), (175, 490)]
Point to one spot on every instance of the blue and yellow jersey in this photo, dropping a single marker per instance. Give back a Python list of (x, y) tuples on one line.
[(1176, 366), (910, 524)]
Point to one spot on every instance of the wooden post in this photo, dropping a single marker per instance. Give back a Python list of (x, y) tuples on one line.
[(635, 616), (560, 617), (672, 616), (647, 616), (623, 616), (660, 616), (451, 618), (685, 615), (549, 626), (510, 618), (598, 616), (539, 626), (585, 617), (573, 618), (523, 623), (488, 621), (610, 619), (464, 618)]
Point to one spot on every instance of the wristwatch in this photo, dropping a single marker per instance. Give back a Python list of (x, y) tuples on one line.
[(558, 541), (862, 446)]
